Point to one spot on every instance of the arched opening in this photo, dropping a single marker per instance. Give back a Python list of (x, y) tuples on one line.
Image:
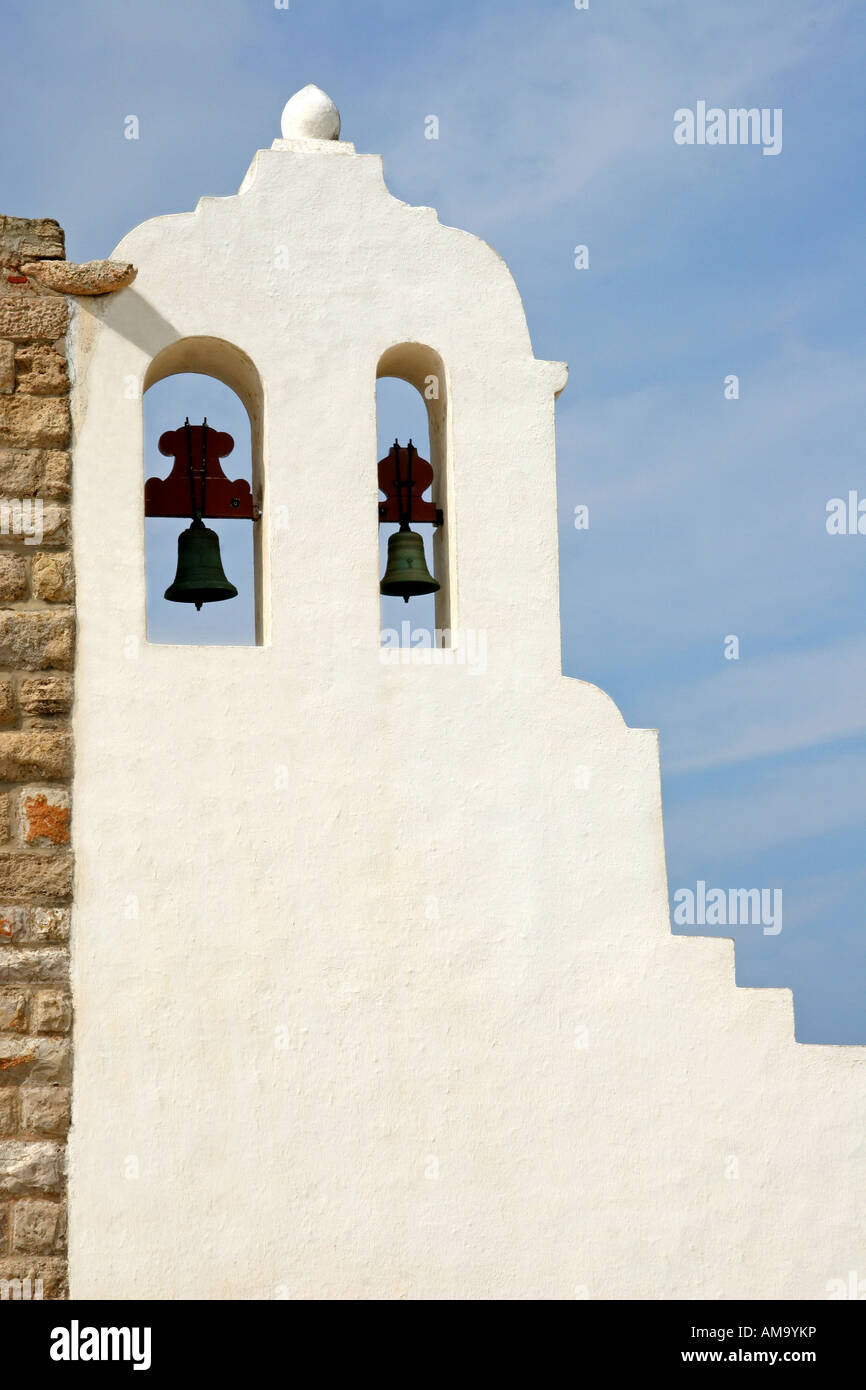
[(200, 379), (411, 404)]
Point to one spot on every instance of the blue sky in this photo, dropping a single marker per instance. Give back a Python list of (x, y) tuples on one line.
[(707, 515)]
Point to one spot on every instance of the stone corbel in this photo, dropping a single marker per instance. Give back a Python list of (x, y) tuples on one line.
[(88, 278)]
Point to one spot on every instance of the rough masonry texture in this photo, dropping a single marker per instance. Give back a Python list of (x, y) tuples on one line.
[(36, 652)]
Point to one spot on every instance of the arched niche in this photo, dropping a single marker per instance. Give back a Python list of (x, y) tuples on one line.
[(422, 367), (217, 358)]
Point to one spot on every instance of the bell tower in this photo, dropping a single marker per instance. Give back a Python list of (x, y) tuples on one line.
[(375, 988)]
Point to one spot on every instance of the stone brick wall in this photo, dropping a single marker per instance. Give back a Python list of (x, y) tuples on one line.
[(36, 656)]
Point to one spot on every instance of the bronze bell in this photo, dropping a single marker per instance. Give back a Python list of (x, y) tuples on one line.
[(406, 574), (200, 576)]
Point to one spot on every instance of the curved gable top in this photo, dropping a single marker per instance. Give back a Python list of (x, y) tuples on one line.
[(314, 237), (314, 278)]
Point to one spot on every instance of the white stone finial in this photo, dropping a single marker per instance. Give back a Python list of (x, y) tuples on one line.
[(310, 115)]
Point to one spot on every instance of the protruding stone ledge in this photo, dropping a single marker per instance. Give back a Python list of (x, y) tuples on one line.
[(91, 277)]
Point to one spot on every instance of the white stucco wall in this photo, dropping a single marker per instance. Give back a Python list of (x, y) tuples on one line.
[(338, 988)]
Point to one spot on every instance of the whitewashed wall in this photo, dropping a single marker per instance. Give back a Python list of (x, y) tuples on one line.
[(342, 930)]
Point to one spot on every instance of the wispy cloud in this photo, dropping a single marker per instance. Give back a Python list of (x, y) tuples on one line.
[(793, 700), (708, 517), (563, 100), (785, 805)]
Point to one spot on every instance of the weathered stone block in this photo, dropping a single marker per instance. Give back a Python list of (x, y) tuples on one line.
[(30, 1166), (40, 371), (33, 521), (20, 471), (34, 1061), (43, 816), (46, 695), (52, 1011), (8, 709), (8, 1110), (55, 524), (29, 420), (32, 472), (34, 753), (47, 924), (44, 1109), (14, 924), (13, 1012), (49, 245), (36, 1226), (24, 319), (29, 875), (7, 368), (36, 237), (34, 1277), (53, 576), (37, 965), (33, 641), (13, 578), (55, 473)]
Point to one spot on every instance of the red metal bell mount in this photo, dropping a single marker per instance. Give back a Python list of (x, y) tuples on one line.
[(404, 477), (196, 481)]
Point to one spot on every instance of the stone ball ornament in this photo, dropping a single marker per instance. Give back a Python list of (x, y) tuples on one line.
[(310, 115)]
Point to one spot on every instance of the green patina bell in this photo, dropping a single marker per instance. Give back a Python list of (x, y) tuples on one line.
[(406, 573), (200, 576)]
